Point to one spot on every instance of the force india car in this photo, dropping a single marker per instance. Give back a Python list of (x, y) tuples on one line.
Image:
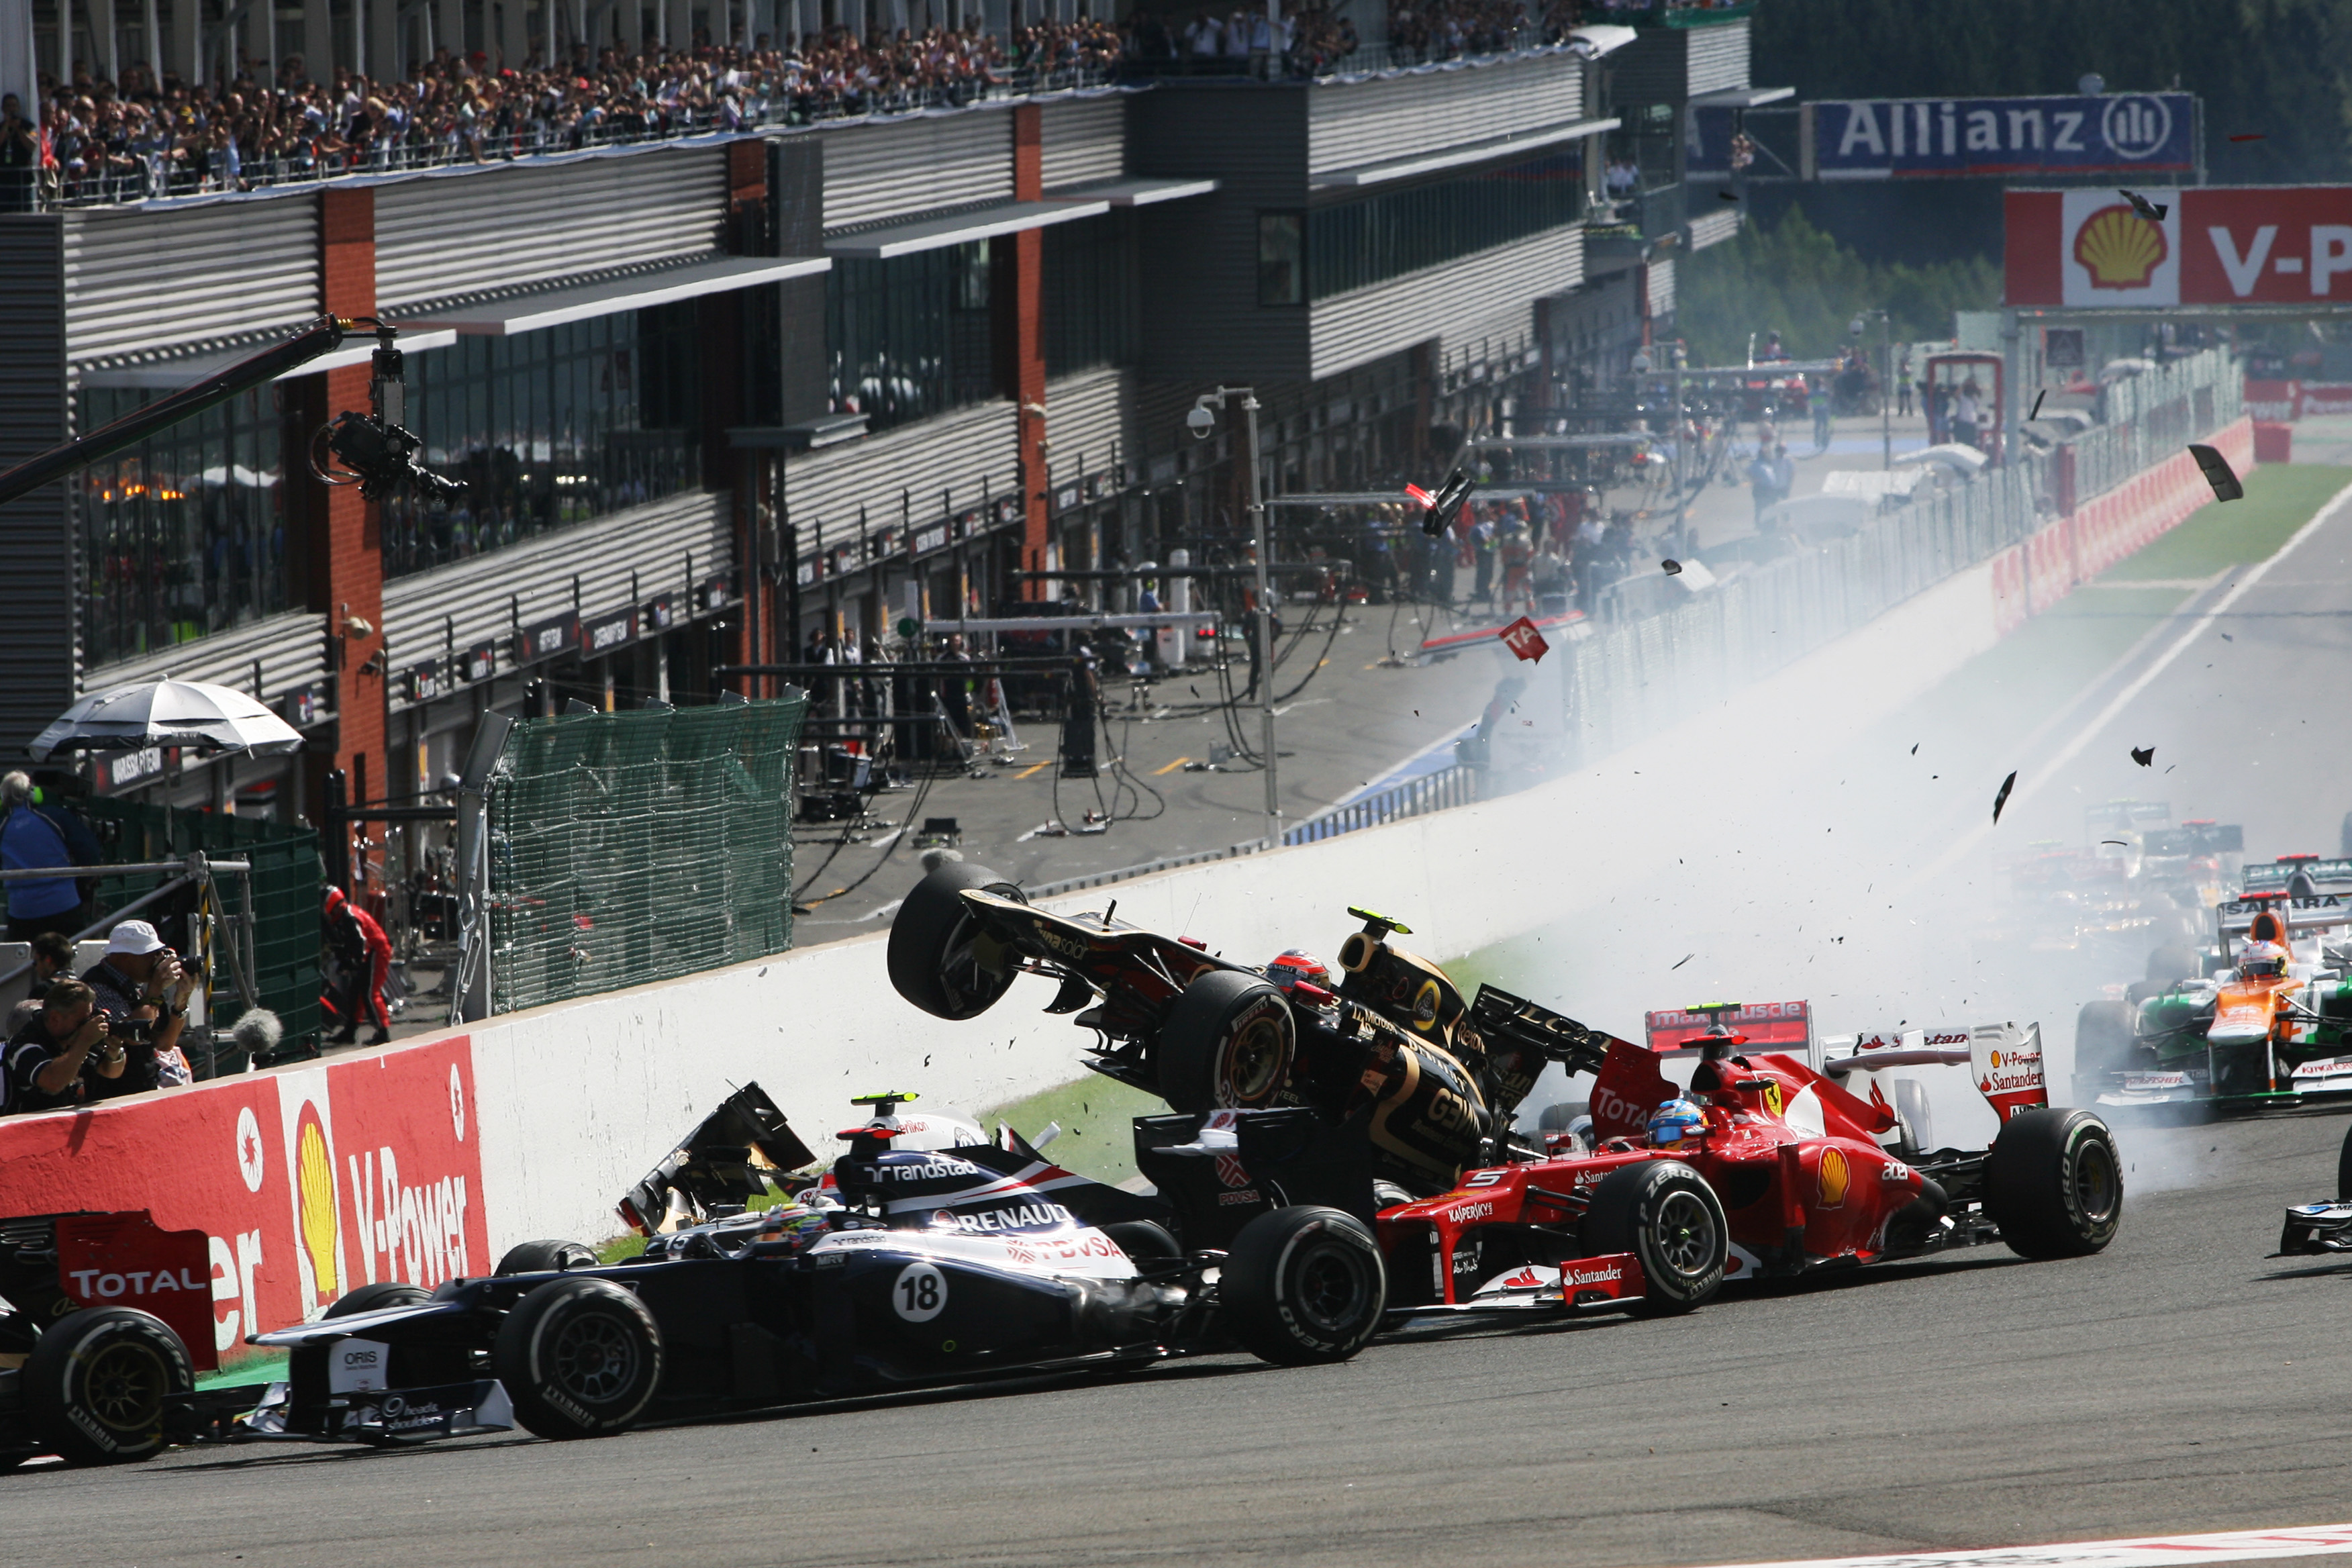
[(1440, 1079), (2229, 1040), (1798, 1170), (937, 1267)]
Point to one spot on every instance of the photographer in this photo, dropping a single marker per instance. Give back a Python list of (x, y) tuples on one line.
[(64, 1056), (53, 955), (140, 983)]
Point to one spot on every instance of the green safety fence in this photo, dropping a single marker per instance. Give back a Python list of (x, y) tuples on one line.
[(626, 847), (287, 884)]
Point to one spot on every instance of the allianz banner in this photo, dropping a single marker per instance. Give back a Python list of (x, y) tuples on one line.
[(2216, 245), (2127, 134)]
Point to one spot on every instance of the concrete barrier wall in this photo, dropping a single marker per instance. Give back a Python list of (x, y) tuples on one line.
[(430, 1158)]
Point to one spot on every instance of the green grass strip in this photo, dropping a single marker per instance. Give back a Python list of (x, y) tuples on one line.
[(2221, 534)]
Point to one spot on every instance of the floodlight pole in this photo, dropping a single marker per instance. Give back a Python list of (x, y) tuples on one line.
[(1248, 457)]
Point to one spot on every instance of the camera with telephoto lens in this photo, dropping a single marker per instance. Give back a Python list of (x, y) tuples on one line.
[(122, 1026)]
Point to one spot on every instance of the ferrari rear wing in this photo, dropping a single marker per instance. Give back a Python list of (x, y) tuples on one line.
[(2003, 1060)]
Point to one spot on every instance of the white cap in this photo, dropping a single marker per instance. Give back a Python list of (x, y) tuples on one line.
[(135, 938)]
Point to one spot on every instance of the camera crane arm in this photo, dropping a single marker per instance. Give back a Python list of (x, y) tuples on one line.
[(378, 455)]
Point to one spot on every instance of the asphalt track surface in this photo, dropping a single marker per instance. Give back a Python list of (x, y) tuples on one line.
[(2182, 1381), (2179, 1381)]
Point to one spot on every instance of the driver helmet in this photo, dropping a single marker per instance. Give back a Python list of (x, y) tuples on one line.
[(798, 1224), (1677, 1124), (1296, 964), (2261, 960)]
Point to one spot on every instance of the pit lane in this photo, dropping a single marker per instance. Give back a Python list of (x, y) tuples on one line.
[(2179, 1382)]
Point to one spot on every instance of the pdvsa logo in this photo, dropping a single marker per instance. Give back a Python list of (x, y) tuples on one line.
[(2137, 127)]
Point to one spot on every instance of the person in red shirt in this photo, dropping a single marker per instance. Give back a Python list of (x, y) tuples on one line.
[(364, 956)]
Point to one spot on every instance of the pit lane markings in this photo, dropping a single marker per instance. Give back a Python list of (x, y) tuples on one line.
[(2145, 1551), (1032, 769), (1171, 767)]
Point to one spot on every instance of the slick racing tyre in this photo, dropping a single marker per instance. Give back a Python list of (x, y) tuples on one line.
[(580, 1358), (406, 1366), (2053, 1184), (1666, 1214), (99, 1382), (931, 959), (1142, 1241), (1226, 1045), (1304, 1285), (2103, 1043), (545, 1258)]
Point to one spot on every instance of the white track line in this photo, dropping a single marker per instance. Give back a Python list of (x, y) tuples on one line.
[(2048, 768), (2147, 1551)]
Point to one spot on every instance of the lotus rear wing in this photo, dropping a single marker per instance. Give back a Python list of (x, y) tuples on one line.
[(1510, 1022)]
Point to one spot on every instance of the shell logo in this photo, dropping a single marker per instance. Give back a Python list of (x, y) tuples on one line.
[(1996, 1058), (1836, 1176), (315, 1205), (2119, 248)]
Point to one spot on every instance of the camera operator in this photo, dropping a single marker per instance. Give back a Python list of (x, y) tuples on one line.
[(62, 1058), (141, 982)]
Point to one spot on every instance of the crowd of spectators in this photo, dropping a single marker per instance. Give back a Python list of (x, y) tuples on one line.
[(145, 135)]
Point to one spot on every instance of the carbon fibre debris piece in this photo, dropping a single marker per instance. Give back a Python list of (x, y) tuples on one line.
[(2000, 797)]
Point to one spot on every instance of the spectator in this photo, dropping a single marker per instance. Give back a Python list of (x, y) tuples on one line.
[(53, 1061), (20, 156), (1903, 385), (1823, 421), (1482, 541), (363, 962), (53, 955), (1966, 412), (1764, 478), (36, 834), (139, 981)]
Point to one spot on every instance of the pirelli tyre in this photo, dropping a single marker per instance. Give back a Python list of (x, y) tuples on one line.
[(1303, 1285), (580, 1357), (2102, 1044), (1666, 1214), (2053, 1184), (933, 960), (101, 1382), (1227, 1044), (545, 1258)]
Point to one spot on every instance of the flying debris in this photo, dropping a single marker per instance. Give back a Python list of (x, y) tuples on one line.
[(2037, 404), (2152, 211), (1671, 568), (1442, 506), (1728, 195), (2117, 842), (1522, 638), (2144, 755), (2218, 474), (1915, 748), (1678, 962), (2251, 136), (2227, 638), (2001, 797)]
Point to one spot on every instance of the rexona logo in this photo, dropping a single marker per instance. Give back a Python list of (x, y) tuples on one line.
[(2119, 248)]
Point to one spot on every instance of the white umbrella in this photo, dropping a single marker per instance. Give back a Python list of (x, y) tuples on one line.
[(167, 712)]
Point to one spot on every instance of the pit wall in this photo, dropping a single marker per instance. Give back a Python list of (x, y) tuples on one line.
[(428, 1159), (2030, 577)]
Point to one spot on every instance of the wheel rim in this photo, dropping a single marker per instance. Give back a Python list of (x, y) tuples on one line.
[(960, 974), (2096, 1187), (1683, 1233), (595, 1358), (1328, 1288), (1256, 1057), (123, 1386)]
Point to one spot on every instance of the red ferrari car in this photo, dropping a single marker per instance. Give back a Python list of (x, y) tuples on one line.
[(1791, 1170)]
